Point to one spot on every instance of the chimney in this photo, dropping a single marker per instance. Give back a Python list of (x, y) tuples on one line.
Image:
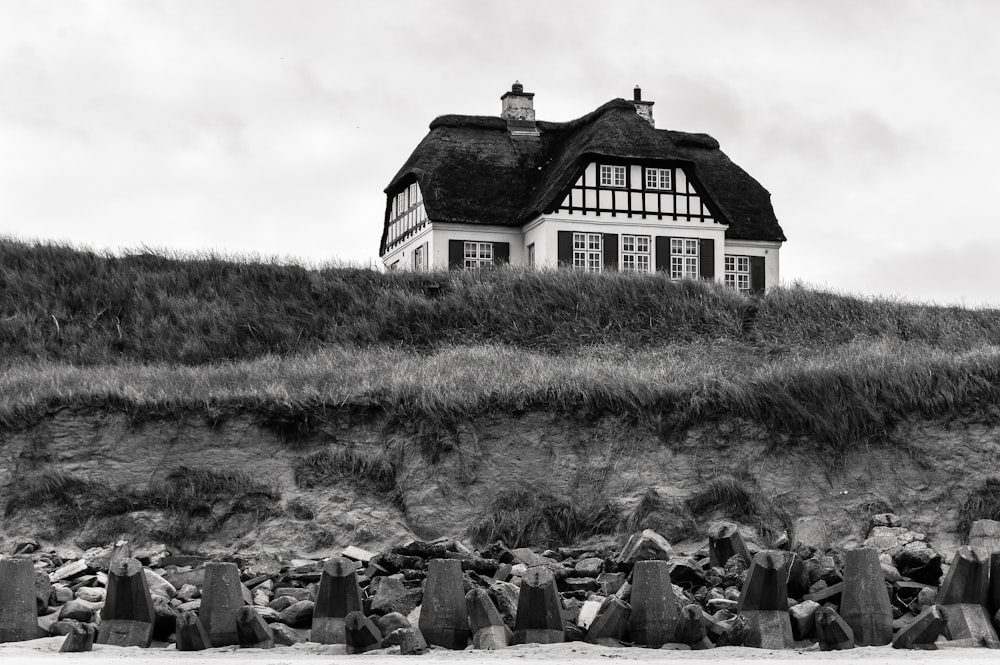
[(644, 109), (518, 109)]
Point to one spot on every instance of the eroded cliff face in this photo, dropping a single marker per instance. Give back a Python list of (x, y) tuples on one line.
[(444, 486)]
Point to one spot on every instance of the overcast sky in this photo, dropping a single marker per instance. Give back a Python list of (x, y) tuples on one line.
[(272, 127)]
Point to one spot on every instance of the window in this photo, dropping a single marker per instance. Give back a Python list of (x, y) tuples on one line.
[(531, 255), (635, 253), (738, 272), (394, 265), (587, 252), (420, 258), (612, 176), (478, 254), (683, 258), (659, 179)]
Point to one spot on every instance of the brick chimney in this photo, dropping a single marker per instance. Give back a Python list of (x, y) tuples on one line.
[(518, 109), (644, 109)]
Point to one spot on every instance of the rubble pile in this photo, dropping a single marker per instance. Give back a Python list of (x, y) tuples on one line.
[(728, 592)]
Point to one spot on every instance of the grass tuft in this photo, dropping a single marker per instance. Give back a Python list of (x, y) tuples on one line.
[(370, 471), (981, 503), (523, 516)]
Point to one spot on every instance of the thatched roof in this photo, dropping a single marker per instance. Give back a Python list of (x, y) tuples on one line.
[(472, 170)]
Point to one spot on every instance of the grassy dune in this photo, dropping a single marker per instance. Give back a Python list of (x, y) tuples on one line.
[(154, 335)]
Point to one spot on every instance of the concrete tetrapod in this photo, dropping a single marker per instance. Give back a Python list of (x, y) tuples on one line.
[(488, 629), (832, 632), (922, 631), (18, 612), (191, 635), (964, 594), (655, 612), (610, 626), (444, 619), (128, 617), (865, 601), (252, 631), (724, 542), (79, 639), (539, 612), (362, 634), (764, 602), (221, 599), (339, 594)]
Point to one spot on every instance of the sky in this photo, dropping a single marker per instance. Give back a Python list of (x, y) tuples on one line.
[(270, 128)]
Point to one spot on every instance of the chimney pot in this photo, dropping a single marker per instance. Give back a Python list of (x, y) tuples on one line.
[(517, 87), (637, 94)]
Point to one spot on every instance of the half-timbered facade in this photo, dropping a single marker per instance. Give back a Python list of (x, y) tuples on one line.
[(607, 191)]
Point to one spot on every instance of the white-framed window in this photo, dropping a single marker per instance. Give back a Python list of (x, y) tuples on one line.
[(683, 258), (635, 253), (420, 257), (394, 265), (587, 251), (478, 254), (659, 178), (531, 255), (738, 272), (612, 175)]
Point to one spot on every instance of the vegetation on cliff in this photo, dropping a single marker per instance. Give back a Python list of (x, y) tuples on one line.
[(154, 335)]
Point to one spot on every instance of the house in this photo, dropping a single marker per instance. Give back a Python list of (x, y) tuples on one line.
[(607, 191)]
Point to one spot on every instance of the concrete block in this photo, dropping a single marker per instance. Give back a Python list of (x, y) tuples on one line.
[(444, 618), (362, 634), (764, 602), (725, 542), (252, 630), (539, 612), (655, 610), (18, 609), (128, 617), (832, 632), (191, 635), (79, 639), (485, 622), (221, 600), (922, 632), (611, 622), (865, 603), (967, 580)]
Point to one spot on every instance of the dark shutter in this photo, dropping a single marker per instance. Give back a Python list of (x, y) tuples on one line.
[(706, 258), (610, 249), (501, 253), (662, 253), (456, 254), (757, 275), (565, 248)]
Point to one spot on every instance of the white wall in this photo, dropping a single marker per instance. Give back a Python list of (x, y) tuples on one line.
[(769, 250), (544, 233)]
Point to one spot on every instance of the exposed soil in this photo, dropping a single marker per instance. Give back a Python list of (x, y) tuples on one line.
[(446, 479)]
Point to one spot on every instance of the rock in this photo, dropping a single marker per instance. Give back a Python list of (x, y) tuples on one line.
[(645, 546), (287, 636), (90, 594), (281, 603), (362, 634), (262, 593), (411, 642), (918, 561), (505, 596), (78, 610), (166, 618), (297, 593), (685, 572), (589, 567), (252, 631), (391, 595), (691, 628), (610, 583), (736, 631), (578, 584), (159, 585), (984, 535), (611, 622), (43, 591), (61, 594), (298, 615), (191, 635), (69, 570)]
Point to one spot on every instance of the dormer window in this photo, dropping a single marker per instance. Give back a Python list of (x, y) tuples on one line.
[(659, 178), (612, 176)]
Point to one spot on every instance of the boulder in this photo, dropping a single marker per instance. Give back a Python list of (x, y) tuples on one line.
[(645, 546)]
